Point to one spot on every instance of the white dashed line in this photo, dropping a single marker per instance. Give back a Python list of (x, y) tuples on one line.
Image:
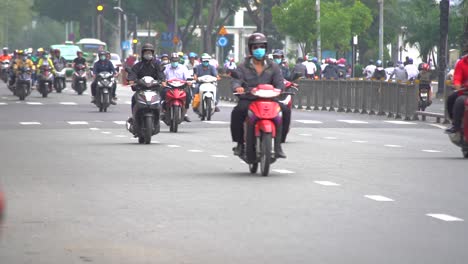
[(29, 123), (359, 141), (34, 103), (120, 122), (173, 146), (219, 156), (400, 122), (120, 136), (330, 138), (195, 150), (284, 171), (94, 128), (77, 122), (106, 132), (3, 104), (393, 146), (326, 183), (216, 122), (68, 103), (353, 121), (431, 151), (379, 198), (4, 97), (445, 217), (438, 126), (305, 135), (309, 121), (128, 102)]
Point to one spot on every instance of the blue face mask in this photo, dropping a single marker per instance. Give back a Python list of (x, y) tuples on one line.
[(259, 53), (205, 63), (102, 58), (278, 61), (174, 64)]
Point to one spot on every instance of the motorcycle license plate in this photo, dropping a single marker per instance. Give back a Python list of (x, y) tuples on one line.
[(81, 82), (424, 95)]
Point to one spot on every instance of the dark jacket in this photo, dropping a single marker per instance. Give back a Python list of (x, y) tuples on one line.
[(285, 71), (299, 68), (144, 68), (247, 77), (330, 72), (103, 66)]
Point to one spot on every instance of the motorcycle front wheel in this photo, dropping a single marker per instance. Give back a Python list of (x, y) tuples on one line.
[(265, 153), (175, 116), (148, 129)]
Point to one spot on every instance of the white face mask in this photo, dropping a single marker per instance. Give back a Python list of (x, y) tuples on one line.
[(148, 56)]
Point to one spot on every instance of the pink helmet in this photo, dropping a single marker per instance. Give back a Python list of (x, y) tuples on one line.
[(342, 61)]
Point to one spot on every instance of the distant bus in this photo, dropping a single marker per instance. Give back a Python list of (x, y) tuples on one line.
[(91, 47)]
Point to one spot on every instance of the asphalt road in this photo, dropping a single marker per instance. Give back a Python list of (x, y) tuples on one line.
[(354, 189)]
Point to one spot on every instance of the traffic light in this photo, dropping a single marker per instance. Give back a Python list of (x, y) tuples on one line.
[(100, 8)]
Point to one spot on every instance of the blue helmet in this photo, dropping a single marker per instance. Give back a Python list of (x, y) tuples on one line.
[(314, 59), (192, 55)]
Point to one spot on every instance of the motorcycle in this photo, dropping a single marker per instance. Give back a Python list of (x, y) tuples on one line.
[(4, 70), (146, 110), (424, 100), (45, 80), (260, 129), (207, 94), (175, 104), (60, 78), (79, 79), (460, 139), (23, 83), (105, 82)]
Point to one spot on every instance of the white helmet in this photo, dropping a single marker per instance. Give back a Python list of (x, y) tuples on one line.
[(205, 57)]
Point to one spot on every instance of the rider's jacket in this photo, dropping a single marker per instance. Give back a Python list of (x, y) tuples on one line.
[(5, 57), (19, 63), (42, 62), (146, 68), (248, 78), (103, 66), (460, 76)]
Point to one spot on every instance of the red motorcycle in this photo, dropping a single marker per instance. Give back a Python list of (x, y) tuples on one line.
[(260, 128), (460, 139), (175, 103)]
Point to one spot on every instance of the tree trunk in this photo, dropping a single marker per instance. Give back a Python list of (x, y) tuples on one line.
[(213, 17), (442, 51)]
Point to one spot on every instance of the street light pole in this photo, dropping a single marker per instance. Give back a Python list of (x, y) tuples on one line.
[(319, 39), (381, 30)]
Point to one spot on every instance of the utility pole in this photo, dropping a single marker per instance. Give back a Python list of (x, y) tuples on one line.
[(442, 52), (175, 24), (319, 38), (381, 30)]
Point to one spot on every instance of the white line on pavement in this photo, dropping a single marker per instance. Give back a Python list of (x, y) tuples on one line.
[(305, 135), (173, 146), (120, 122), (4, 97), (431, 151), (120, 136), (445, 217), (326, 183), (219, 156), (379, 198), (309, 121), (283, 171), (34, 103), (106, 132), (353, 121), (393, 146), (128, 102), (68, 103), (195, 150), (359, 141), (29, 123), (216, 122), (330, 138), (3, 104), (94, 128), (438, 126), (400, 122), (77, 122)]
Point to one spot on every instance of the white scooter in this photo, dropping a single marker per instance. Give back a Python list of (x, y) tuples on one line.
[(207, 94)]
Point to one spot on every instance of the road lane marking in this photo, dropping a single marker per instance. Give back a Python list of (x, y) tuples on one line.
[(219, 156), (173, 146), (359, 141), (216, 122), (120, 136), (106, 132), (353, 121), (195, 150), (309, 121), (120, 122), (431, 151), (445, 217), (393, 146), (77, 122), (94, 128), (438, 126), (3, 104), (327, 183), (379, 198), (29, 123), (34, 103), (128, 102), (305, 135), (68, 103), (400, 122), (330, 138), (283, 171)]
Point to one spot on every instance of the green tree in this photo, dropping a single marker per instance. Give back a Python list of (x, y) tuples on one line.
[(15, 18)]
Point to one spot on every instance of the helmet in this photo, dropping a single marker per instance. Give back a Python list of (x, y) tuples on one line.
[(257, 38), (40, 50), (79, 52), (390, 64), (192, 55), (147, 46), (378, 63), (278, 52), (174, 56), (20, 52), (5, 49), (205, 57), (371, 61), (102, 53), (164, 55), (314, 59), (342, 61), (180, 54), (410, 61), (56, 51), (425, 67)]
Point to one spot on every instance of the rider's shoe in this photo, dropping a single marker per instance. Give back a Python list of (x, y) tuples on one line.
[(239, 149)]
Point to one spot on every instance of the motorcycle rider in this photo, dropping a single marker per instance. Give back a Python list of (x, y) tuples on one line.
[(22, 61), (311, 68), (5, 55), (256, 69), (299, 69), (42, 61), (424, 78), (193, 62), (79, 60), (176, 70), (412, 70), (102, 65), (201, 70), (369, 70), (379, 72), (455, 103), (278, 57), (146, 67), (59, 61)]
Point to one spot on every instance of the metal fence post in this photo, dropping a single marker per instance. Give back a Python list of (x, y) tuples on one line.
[(316, 94), (348, 93), (357, 93), (332, 95), (380, 94), (309, 94), (391, 98), (364, 97), (324, 95), (372, 98)]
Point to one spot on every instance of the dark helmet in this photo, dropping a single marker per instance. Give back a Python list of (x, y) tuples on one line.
[(257, 38), (410, 61), (164, 56), (102, 53), (56, 51), (390, 64), (147, 46), (278, 52), (371, 61), (79, 52)]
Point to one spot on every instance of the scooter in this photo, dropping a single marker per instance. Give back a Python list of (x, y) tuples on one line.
[(146, 110), (105, 82), (175, 104), (60, 78), (261, 129), (23, 83), (79, 79), (4, 70), (460, 139), (45, 80), (424, 100), (207, 95)]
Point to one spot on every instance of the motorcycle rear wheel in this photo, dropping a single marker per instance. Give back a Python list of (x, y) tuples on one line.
[(148, 129), (265, 153), (58, 86), (208, 109), (175, 115), (465, 153)]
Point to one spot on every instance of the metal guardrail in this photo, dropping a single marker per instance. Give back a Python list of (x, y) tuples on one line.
[(391, 99)]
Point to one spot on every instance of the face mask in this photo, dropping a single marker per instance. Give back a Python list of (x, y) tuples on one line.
[(102, 58), (165, 61), (278, 61), (259, 53), (205, 63), (174, 64), (148, 57)]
